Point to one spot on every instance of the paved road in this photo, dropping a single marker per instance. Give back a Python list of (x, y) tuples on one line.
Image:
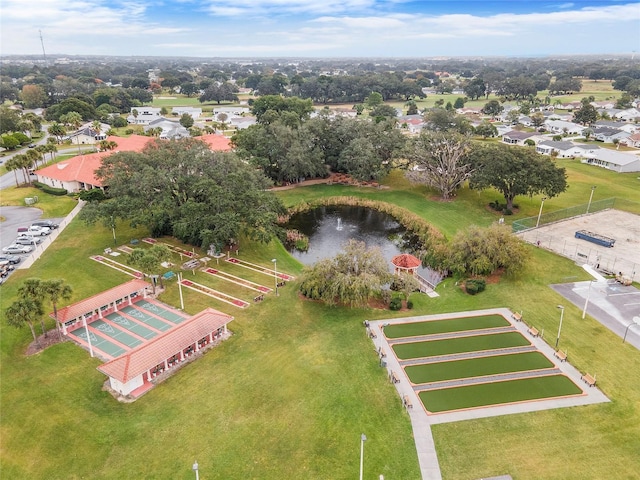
[(16, 217)]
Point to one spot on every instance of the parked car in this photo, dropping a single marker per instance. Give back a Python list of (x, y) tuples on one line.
[(27, 240), (17, 249), (45, 223), (35, 230), (10, 258)]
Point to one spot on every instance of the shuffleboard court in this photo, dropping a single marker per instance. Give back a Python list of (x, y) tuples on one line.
[(173, 317), (98, 342), (150, 320), (115, 333), (477, 367), (415, 329), (450, 346), (498, 393), (131, 326)]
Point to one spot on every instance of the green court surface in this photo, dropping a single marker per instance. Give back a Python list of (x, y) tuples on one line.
[(131, 326), (161, 312), (477, 367), (444, 326), (497, 393), (98, 342), (450, 346), (115, 333), (150, 320)]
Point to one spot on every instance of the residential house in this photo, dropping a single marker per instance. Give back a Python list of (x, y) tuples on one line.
[(628, 115), (632, 140), (195, 112), (231, 111), (561, 126), (613, 160), (514, 137), (171, 129), (86, 136), (606, 104), (609, 135), (625, 127), (564, 149), (144, 115), (241, 123)]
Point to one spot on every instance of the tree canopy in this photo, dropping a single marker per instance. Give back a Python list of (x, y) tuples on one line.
[(440, 161), (351, 277), (515, 171), (181, 188)]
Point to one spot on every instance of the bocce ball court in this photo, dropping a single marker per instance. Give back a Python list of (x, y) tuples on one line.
[(476, 361)]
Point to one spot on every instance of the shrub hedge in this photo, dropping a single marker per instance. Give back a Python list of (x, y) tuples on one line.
[(59, 192)]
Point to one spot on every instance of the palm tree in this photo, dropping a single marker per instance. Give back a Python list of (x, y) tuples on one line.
[(42, 150), (75, 120), (13, 164), (22, 162), (24, 311), (57, 130), (32, 290), (56, 290)]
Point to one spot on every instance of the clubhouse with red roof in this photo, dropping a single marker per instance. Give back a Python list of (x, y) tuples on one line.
[(78, 173)]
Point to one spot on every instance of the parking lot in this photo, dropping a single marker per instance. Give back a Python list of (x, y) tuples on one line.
[(16, 217)]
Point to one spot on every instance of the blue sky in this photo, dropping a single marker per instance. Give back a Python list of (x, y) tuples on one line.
[(319, 28)]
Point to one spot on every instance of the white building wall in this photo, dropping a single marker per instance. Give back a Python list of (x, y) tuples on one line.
[(126, 388)]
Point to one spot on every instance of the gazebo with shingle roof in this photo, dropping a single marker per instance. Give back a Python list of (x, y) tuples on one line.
[(405, 263)]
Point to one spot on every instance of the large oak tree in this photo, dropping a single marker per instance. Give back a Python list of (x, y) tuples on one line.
[(182, 188), (515, 171)]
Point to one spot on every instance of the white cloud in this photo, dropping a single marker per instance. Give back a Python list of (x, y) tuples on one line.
[(285, 7)]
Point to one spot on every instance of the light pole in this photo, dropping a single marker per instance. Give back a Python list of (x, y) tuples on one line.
[(195, 469), (275, 273), (586, 303), (113, 230), (540, 212), (590, 198), (560, 327), (363, 438), (635, 321)]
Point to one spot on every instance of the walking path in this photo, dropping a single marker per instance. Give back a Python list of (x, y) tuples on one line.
[(39, 250), (421, 422)]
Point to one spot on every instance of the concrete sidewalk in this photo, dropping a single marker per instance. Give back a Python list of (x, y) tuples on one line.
[(48, 240), (421, 421)]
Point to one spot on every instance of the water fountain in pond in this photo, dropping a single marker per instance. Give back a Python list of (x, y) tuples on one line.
[(339, 227)]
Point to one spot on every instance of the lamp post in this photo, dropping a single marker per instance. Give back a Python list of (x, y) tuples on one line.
[(540, 212), (560, 327), (590, 198), (195, 469), (113, 230), (586, 303), (635, 321), (275, 273), (363, 438)]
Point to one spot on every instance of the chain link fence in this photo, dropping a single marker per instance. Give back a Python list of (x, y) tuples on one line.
[(606, 260)]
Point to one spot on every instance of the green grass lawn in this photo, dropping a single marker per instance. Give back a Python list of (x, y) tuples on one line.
[(477, 367), (52, 206), (434, 348), (444, 326), (497, 393), (290, 393)]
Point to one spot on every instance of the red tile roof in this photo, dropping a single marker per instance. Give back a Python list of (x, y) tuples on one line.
[(217, 143), (82, 168), (103, 298), (406, 261), (162, 347)]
